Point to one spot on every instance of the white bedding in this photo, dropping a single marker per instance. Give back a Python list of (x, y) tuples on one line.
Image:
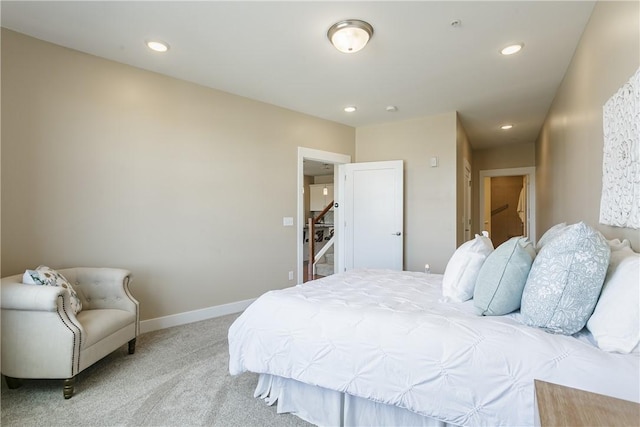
[(388, 337)]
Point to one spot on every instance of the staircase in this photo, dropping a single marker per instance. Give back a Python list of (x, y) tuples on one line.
[(324, 267), (320, 262)]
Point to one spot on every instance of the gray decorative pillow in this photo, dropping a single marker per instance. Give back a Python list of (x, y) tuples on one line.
[(46, 276), (551, 234), (502, 277), (565, 280)]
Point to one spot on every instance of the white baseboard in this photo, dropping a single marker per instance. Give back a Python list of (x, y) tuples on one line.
[(193, 316)]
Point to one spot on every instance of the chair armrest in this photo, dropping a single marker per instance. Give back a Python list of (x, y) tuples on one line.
[(103, 288), (18, 296), (41, 335)]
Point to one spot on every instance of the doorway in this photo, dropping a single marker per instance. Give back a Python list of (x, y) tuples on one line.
[(318, 193), (318, 162), (507, 203)]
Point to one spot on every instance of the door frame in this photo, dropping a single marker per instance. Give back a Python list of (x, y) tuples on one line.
[(530, 173), (467, 202), (324, 157)]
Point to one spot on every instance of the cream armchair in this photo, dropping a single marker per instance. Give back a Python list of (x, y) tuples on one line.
[(43, 338)]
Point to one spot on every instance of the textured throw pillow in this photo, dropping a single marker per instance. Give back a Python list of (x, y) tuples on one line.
[(615, 322), (463, 267), (46, 276), (502, 277), (616, 245), (565, 280), (550, 234)]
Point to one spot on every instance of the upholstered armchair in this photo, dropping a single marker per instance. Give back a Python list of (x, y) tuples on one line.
[(43, 338)]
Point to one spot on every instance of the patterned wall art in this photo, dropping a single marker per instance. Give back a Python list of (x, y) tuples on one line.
[(620, 202)]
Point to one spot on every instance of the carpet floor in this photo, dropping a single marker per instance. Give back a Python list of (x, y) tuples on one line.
[(177, 377)]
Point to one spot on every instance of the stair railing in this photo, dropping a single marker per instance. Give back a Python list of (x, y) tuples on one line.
[(322, 251), (311, 267), (500, 209)]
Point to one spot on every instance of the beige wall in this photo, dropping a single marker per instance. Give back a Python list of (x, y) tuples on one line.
[(104, 164), (569, 148), (501, 157), (429, 193)]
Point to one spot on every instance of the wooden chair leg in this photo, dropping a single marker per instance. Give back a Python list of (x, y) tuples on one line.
[(67, 389), (132, 346), (12, 383)]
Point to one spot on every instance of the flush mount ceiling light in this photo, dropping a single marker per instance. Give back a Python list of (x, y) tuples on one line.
[(157, 46), (350, 109), (511, 49), (351, 35), (506, 127)]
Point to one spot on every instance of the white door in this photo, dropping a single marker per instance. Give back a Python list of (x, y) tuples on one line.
[(371, 221)]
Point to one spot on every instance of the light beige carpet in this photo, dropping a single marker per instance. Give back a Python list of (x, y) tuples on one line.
[(177, 377)]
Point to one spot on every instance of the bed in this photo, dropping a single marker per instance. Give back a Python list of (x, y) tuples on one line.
[(382, 347)]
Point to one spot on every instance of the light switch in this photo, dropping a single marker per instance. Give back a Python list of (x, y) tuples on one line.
[(434, 162), (287, 221)]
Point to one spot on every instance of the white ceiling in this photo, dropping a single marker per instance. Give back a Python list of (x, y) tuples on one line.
[(278, 53), (313, 168)]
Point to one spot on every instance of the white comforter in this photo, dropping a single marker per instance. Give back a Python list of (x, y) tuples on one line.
[(388, 337)]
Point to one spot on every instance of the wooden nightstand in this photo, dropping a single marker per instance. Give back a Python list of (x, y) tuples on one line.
[(558, 405)]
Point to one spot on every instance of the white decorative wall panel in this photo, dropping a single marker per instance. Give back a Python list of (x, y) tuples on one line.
[(620, 202)]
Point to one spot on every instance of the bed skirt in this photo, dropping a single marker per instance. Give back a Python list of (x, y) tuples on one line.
[(324, 407)]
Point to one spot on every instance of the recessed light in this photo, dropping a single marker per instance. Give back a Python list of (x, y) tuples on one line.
[(511, 49), (506, 127), (350, 109), (391, 108), (157, 46)]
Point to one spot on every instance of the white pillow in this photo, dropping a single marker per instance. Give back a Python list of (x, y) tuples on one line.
[(615, 322), (616, 244), (46, 276), (462, 269)]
